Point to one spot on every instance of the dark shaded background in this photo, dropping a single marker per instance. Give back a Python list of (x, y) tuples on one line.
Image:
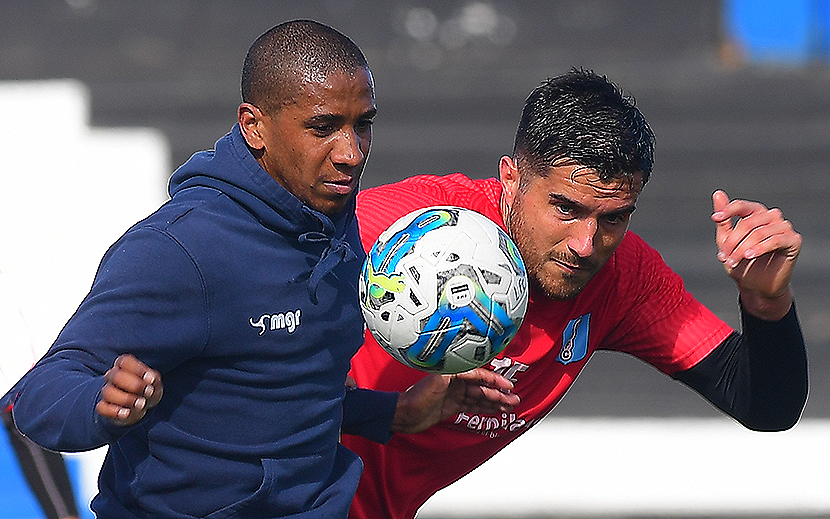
[(451, 77)]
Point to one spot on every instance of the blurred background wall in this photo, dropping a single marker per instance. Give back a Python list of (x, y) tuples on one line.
[(737, 91)]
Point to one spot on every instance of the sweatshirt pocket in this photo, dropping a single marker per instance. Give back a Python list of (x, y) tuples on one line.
[(236, 509), (191, 477), (290, 487), (313, 487)]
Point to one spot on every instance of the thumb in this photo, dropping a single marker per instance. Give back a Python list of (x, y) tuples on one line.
[(722, 219), (719, 200)]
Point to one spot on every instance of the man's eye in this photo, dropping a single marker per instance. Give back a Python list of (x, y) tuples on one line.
[(616, 219), (322, 129), (565, 210)]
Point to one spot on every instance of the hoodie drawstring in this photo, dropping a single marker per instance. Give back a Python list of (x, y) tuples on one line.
[(337, 251)]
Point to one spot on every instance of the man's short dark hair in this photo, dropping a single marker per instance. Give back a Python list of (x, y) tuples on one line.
[(284, 56), (584, 117)]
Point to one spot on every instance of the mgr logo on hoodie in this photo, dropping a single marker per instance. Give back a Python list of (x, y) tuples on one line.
[(288, 320)]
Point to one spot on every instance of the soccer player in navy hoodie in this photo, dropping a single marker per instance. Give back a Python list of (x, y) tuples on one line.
[(240, 292)]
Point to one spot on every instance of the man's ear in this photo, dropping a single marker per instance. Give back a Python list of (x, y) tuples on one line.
[(509, 177), (250, 118)]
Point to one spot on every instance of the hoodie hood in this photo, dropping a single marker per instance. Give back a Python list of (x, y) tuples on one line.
[(232, 169)]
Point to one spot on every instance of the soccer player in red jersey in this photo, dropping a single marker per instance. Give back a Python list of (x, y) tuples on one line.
[(582, 155)]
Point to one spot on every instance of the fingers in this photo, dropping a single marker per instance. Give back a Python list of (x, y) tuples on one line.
[(436, 397), (756, 230), (482, 399), (485, 377), (486, 391), (131, 388)]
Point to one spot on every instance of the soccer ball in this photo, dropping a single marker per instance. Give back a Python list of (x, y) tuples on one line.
[(443, 289)]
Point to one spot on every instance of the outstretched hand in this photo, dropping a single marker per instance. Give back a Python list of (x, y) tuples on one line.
[(131, 389), (758, 249), (437, 397)]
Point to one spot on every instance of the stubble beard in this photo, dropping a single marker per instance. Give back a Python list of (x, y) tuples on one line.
[(560, 286)]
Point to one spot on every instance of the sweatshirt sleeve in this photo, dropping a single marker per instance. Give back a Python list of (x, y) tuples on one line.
[(369, 413), (148, 299)]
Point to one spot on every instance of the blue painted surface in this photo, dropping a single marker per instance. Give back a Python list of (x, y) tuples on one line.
[(784, 31), (18, 501)]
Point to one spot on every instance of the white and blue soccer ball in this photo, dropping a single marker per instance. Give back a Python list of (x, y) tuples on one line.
[(443, 289)]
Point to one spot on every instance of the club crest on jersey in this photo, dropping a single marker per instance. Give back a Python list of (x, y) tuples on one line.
[(575, 340)]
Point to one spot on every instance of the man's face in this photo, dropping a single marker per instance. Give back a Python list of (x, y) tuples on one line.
[(566, 224), (316, 146)]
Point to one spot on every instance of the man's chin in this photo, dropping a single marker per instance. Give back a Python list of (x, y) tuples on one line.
[(559, 290)]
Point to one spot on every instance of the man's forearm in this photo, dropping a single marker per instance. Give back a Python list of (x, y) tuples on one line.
[(758, 377)]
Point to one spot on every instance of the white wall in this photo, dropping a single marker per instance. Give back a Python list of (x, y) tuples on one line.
[(600, 467), (67, 191)]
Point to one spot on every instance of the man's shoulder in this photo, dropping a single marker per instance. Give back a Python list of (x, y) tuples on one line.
[(632, 265), (192, 211), (453, 182), (420, 191), (634, 248), (379, 206), (187, 226)]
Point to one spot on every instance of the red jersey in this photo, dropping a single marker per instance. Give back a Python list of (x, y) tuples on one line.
[(635, 304)]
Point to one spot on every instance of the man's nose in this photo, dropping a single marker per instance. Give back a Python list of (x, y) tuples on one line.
[(581, 241), (347, 150)]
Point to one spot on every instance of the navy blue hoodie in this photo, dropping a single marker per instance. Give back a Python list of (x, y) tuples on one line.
[(245, 300)]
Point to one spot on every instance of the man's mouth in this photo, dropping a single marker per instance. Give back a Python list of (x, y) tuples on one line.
[(572, 265), (341, 187), (567, 267)]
